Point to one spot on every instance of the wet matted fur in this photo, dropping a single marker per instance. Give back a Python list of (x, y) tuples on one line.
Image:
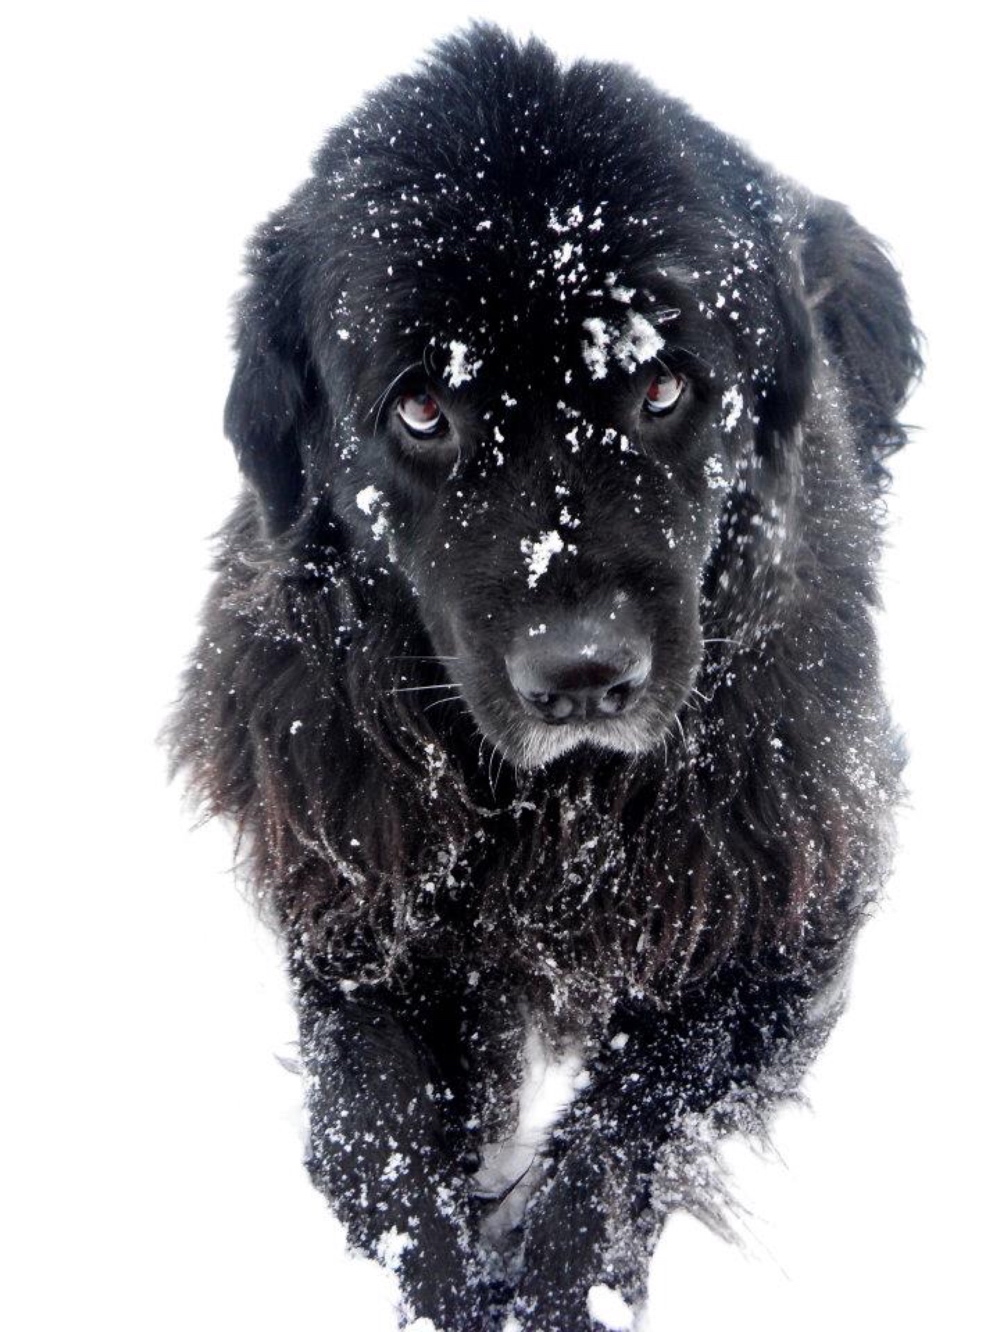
[(539, 677)]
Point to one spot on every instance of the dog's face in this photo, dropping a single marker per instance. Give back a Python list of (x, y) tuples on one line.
[(529, 381), (548, 475)]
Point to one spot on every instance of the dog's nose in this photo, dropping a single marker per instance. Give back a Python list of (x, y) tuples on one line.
[(581, 671)]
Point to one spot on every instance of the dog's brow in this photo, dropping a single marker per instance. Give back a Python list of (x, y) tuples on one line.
[(671, 289)]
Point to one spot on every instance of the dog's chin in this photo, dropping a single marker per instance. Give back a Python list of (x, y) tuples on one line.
[(532, 745)]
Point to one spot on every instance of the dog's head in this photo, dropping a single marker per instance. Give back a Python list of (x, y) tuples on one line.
[(533, 345)]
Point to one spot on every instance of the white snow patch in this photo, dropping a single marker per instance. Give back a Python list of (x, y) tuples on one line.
[(540, 552), (574, 219), (391, 1246), (595, 354), (608, 1308), (638, 343), (562, 254), (631, 345), (732, 401), (460, 369), (367, 500), (393, 1166), (715, 473)]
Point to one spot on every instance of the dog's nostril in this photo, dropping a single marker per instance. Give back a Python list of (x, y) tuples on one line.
[(553, 707), (616, 698)]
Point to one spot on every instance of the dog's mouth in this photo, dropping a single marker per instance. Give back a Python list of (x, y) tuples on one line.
[(532, 745)]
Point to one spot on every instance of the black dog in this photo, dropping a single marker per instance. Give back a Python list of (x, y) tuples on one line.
[(539, 676)]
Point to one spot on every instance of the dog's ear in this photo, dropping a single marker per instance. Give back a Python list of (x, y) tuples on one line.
[(273, 393), (858, 303), (781, 402)]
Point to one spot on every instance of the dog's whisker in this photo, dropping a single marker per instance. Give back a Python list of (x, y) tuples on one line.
[(418, 689), (455, 698), (492, 780), (380, 401)]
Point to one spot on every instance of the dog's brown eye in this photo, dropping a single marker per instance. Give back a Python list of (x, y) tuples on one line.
[(421, 414), (664, 393)]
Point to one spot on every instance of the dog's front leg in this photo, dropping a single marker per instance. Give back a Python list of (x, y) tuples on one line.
[(588, 1234), (640, 1142), (384, 1153)]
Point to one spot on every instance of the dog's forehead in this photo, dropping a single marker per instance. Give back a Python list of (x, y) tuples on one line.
[(550, 299), (519, 288), (509, 248)]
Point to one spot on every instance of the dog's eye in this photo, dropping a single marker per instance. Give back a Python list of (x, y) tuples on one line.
[(664, 393), (421, 414)]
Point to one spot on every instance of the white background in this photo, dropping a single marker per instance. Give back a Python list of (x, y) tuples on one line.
[(151, 1177)]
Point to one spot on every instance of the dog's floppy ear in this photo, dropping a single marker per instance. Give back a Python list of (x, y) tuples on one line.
[(273, 392), (858, 302), (782, 401)]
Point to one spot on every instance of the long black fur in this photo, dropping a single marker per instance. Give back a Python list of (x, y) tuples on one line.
[(685, 912)]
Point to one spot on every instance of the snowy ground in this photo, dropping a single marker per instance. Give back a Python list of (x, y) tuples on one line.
[(151, 1139)]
